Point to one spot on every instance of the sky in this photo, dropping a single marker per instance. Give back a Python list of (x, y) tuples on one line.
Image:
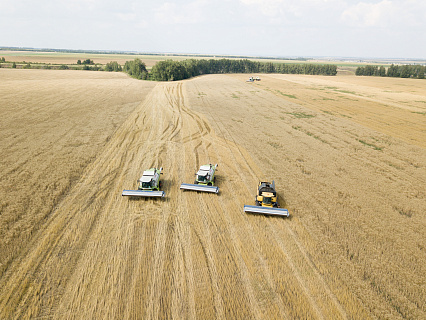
[(268, 28)]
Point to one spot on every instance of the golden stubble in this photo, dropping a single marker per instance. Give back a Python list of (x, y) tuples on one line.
[(73, 247)]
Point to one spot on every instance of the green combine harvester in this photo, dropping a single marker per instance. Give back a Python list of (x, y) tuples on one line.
[(149, 185), (204, 180)]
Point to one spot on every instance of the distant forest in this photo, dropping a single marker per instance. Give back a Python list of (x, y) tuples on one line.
[(171, 70), (398, 71)]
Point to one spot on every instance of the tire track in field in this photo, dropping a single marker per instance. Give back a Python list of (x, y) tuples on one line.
[(301, 251), (90, 262), (147, 155), (222, 211), (232, 150), (225, 210), (191, 255), (41, 261), (203, 237), (212, 220), (95, 189), (208, 143)]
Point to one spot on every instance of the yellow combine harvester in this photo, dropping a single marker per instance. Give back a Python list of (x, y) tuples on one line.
[(266, 201)]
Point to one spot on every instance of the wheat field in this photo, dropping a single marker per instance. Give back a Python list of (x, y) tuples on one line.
[(347, 155)]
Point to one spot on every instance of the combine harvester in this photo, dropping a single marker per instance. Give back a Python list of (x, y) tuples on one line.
[(266, 201), (149, 185), (204, 180)]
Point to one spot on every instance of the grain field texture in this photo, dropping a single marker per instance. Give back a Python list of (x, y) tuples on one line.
[(347, 155)]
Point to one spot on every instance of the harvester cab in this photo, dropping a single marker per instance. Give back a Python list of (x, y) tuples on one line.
[(266, 201), (204, 180), (150, 180), (149, 185), (266, 195), (206, 175)]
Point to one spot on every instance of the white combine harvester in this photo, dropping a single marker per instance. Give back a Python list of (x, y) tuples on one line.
[(149, 185), (204, 180)]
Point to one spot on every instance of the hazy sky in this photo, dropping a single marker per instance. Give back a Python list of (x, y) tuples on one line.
[(337, 28)]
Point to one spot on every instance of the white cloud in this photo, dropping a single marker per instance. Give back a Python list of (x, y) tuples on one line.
[(126, 16), (369, 14), (296, 8), (79, 5), (386, 13), (186, 13), (8, 6)]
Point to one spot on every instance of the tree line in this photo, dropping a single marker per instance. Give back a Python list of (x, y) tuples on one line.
[(398, 71), (171, 70)]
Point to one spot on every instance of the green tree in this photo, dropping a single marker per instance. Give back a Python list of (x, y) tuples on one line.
[(169, 70), (113, 66), (405, 71), (14, 65), (136, 69), (393, 71), (79, 62), (88, 61)]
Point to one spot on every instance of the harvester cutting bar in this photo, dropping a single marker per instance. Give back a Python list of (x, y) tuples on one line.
[(198, 187), (143, 193), (266, 210)]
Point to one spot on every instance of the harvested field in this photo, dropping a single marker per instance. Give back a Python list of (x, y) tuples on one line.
[(347, 155), (57, 58)]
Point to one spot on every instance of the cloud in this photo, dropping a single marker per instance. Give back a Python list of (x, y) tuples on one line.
[(126, 16), (271, 8), (386, 13), (186, 13), (370, 14), (293, 8)]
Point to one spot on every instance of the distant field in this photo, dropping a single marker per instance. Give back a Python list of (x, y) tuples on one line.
[(348, 156), (58, 58), (71, 58)]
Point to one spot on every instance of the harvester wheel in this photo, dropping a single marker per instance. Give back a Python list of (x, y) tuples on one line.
[(209, 184)]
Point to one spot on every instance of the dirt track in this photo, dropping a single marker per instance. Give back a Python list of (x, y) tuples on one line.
[(353, 247)]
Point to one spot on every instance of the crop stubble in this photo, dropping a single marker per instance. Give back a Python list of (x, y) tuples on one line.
[(353, 248)]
